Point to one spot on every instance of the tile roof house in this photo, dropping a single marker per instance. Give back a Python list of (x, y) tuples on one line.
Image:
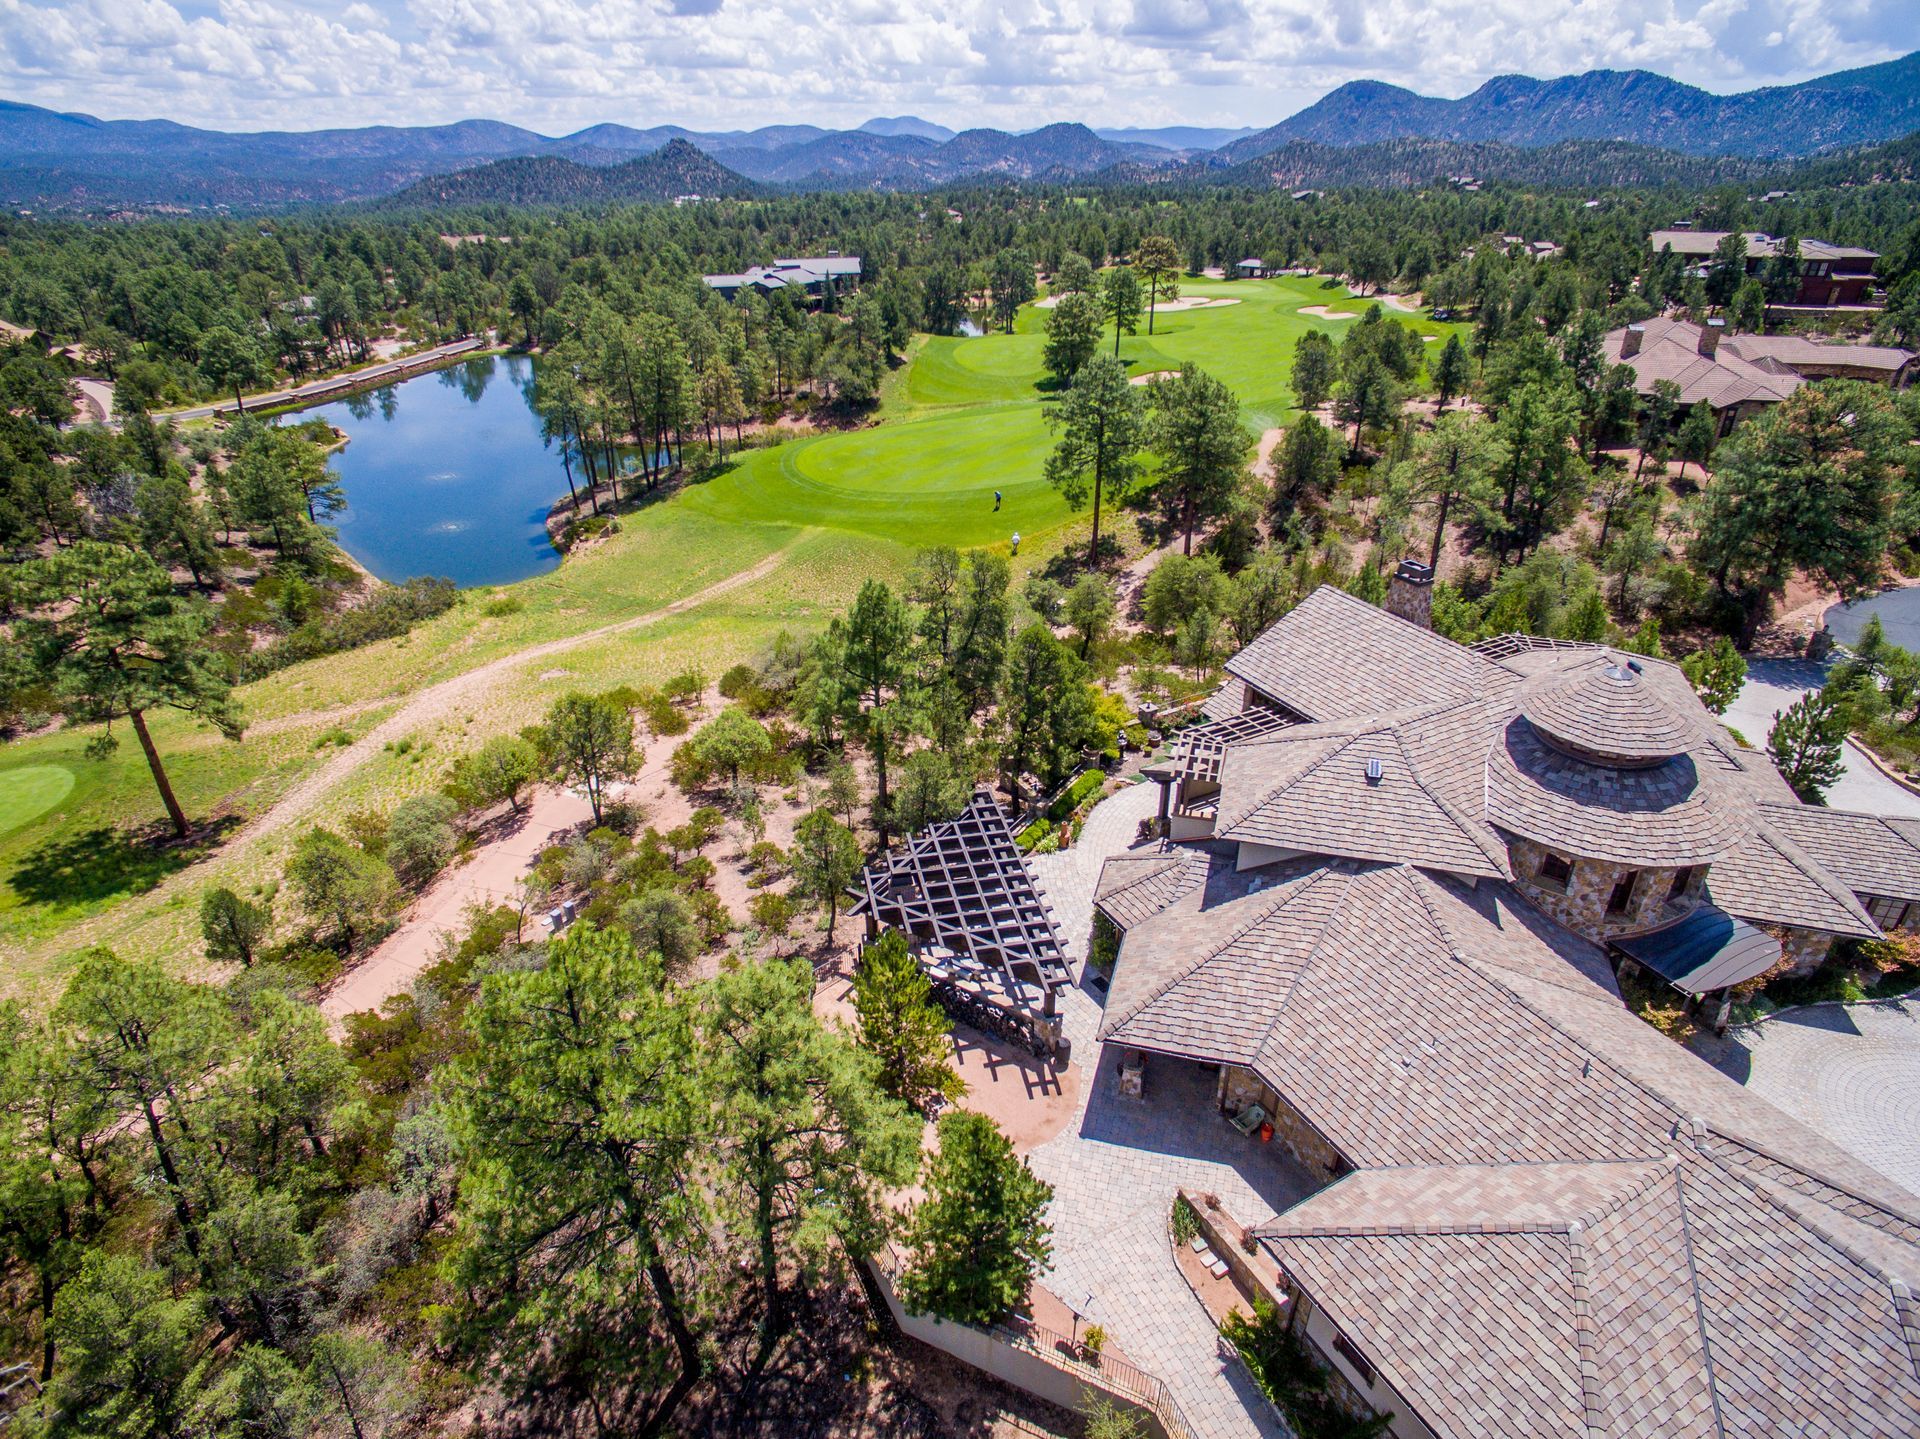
[(810, 277), (1831, 276), (1738, 375), (1395, 928)]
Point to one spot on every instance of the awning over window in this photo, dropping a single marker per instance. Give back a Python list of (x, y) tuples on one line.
[(1707, 950)]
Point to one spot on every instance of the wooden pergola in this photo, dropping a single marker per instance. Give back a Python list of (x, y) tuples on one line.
[(962, 894), (1192, 766)]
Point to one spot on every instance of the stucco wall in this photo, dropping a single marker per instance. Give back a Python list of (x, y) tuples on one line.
[(1582, 906)]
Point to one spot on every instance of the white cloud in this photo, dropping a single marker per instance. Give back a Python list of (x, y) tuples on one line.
[(560, 64)]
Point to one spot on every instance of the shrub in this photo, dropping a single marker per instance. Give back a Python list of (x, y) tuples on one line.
[(499, 770), (504, 605), (1069, 801), (1028, 840), (421, 838), (1186, 1223), (737, 681), (392, 611), (685, 687)]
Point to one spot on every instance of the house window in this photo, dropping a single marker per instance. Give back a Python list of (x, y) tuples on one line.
[(1556, 871), (1622, 896), (1891, 913), (1677, 891), (1350, 1352)]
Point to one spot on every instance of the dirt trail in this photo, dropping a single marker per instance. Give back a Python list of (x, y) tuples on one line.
[(438, 700)]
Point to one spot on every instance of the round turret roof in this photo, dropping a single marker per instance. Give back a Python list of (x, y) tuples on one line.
[(1608, 714)]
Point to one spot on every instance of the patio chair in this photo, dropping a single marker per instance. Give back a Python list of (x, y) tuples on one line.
[(1249, 1120)]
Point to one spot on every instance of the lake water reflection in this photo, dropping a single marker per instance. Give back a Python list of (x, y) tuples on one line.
[(448, 474)]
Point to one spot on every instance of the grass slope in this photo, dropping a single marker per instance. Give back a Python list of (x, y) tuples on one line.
[(961, 419)]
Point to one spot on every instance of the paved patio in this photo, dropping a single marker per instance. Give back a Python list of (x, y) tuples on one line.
[(1115, 1171)]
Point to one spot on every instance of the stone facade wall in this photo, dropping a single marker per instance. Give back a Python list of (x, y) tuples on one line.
[(1241, 1087), (1582, 905), (1802, 950)]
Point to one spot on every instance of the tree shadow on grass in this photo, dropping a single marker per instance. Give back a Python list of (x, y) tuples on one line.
[(104, 863)]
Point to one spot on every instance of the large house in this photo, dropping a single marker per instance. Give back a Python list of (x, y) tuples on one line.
[(1739, 375), (811, 278), (1831, 276), (1399, 879)]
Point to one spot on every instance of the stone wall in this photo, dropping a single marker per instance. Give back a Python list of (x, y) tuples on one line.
[(1241, 1087), (1582, 905), (1801, 950)]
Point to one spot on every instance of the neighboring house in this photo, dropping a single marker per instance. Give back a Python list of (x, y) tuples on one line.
[(1409, 872), (811, 277), (1831, 276), (1739, 375), (1253, 269)]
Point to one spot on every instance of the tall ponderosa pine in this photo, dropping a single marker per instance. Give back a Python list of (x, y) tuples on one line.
[(809, 1143), (1195, 429), (1120, 303), (573, 1113), (1158, 258), (1315, 364), (1073, 336), (1103, 429), (106, 633), (1807, 486), (1807, 743)]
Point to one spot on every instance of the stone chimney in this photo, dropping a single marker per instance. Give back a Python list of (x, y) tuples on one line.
[(1410, 593), (1631, 341), (1710, 334)]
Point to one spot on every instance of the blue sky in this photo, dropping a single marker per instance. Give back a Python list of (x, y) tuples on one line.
[(557, 65)]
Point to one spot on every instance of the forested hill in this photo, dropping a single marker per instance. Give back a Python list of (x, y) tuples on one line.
[(1851, 107), (1391, 164), (677, 168)]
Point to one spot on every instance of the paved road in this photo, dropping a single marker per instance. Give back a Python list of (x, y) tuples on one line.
[(1899, 612), (1773, 685), (334, 384)]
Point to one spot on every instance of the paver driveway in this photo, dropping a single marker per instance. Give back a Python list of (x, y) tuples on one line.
[(1115, 1171), (1850, 1071)]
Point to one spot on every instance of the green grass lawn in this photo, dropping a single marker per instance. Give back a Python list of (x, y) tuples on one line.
[(959, 420)]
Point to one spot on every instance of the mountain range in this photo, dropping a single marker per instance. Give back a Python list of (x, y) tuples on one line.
[(51, 160)]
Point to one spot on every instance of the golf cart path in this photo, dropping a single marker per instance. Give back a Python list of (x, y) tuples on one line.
[(437, 700)]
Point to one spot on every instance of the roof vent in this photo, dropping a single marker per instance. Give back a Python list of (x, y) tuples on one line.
[(1375, 770), (1636, 667)]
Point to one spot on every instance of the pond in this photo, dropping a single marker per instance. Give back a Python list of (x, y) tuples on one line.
[(448, 474)]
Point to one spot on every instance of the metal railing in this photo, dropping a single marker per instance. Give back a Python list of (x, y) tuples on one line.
[(1108, 1372)]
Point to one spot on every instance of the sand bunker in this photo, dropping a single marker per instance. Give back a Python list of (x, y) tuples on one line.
[(1151, 376), (1321, 312)]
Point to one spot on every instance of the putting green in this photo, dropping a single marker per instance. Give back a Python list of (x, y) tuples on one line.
[(920, 482), (969, 418), (30, 791)]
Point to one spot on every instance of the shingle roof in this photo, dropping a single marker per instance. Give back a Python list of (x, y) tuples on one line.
[(1312, 789), (1465, 766), (1796, 351), (1606, 711), (1871, 854), (1677, 1295), (1769, 877), (1334, 656), (1678, 812), (1561, 1222), (1670, 350), (1135, 887)]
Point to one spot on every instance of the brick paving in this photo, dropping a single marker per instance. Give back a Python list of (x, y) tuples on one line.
[(1116, 1168), (1852, 1072)]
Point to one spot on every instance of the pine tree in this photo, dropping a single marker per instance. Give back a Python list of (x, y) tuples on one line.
[(106, 633), (1807, 745), (978, 1239), (900, 1024), (1102, 430)]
